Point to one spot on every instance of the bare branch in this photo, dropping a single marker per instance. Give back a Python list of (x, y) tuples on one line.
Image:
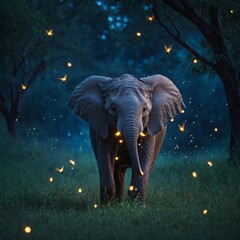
[(177, 36), (188, 12), (174, 26), (25, 56)]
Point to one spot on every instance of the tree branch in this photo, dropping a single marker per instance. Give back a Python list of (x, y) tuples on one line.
[(189, 12), (177, 36)]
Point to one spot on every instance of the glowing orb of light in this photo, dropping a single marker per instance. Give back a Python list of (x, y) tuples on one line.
[(210, 163), (205, 211), (50, 179), (118, 133), (194, 174), (139, 34), (27, 229), (95, 205), (131, 188), (72, 162), (80, 190)]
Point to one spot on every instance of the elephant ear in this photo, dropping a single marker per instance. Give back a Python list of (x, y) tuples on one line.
[(166, 102), (87, 102)]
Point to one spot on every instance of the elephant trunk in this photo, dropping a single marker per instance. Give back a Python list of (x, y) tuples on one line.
[(129, 128)]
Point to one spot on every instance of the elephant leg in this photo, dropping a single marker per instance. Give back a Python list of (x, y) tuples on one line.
[(104, 150), (119, 175), (146, 153)]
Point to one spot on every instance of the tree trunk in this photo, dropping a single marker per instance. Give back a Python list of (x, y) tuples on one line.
[(11, 126), (231, 83)]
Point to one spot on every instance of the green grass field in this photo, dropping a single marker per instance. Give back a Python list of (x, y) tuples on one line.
[(56, 210)]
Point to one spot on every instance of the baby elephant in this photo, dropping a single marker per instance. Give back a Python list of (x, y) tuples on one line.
[(127, 120)]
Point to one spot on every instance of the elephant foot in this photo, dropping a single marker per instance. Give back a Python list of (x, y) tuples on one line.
[(136, 197), (106, 196)]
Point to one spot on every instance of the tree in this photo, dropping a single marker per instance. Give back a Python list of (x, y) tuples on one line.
[(220, 36), (21, 39)]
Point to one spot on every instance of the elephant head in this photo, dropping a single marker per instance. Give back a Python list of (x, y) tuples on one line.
[(128, 105)]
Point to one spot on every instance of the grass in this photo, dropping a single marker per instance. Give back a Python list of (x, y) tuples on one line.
[(55, 210)]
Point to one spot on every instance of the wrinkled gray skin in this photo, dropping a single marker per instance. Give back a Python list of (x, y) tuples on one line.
[(131, 106)]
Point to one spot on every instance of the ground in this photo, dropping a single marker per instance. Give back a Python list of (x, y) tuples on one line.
[(57, 210)]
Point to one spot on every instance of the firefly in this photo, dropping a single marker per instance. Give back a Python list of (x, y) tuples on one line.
[(210, 163), (195, 60), (71, 162), (181, 127), (118, 133), (131, 188), (172, 119), (27, 229), (194, 174), (63, 79), (60, 170), (24, 87), (168, 49), (116, 158), (205, 211), (120, 141), (95, 205), (231, 11), (69, 64), (215, 129), (150, 18), (49, 32), (80, 190), (142, 134), (50, 179), (182, 111), (138, 34)]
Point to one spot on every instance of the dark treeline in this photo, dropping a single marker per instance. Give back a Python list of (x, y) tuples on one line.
[(107, 38)]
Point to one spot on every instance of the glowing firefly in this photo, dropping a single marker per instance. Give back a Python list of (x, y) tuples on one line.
[(172, 119), (24, 87), (195, 60), (182, 111), (210, 163), (181, 127), (63, 79), (142, 134), (168, 49), (116, 158), (205, 211), (215, 129), (50, 179), (49, 32), (120, 141), (95, 205), (27, 229), (69, 64), (150, 18), (71, 162), (118, 133), (231, 11), (194, 174), (80, 190), (60, 170), (131, 188), (138, 34)]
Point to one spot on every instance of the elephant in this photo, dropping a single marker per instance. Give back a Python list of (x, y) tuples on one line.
[(127, 119)]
